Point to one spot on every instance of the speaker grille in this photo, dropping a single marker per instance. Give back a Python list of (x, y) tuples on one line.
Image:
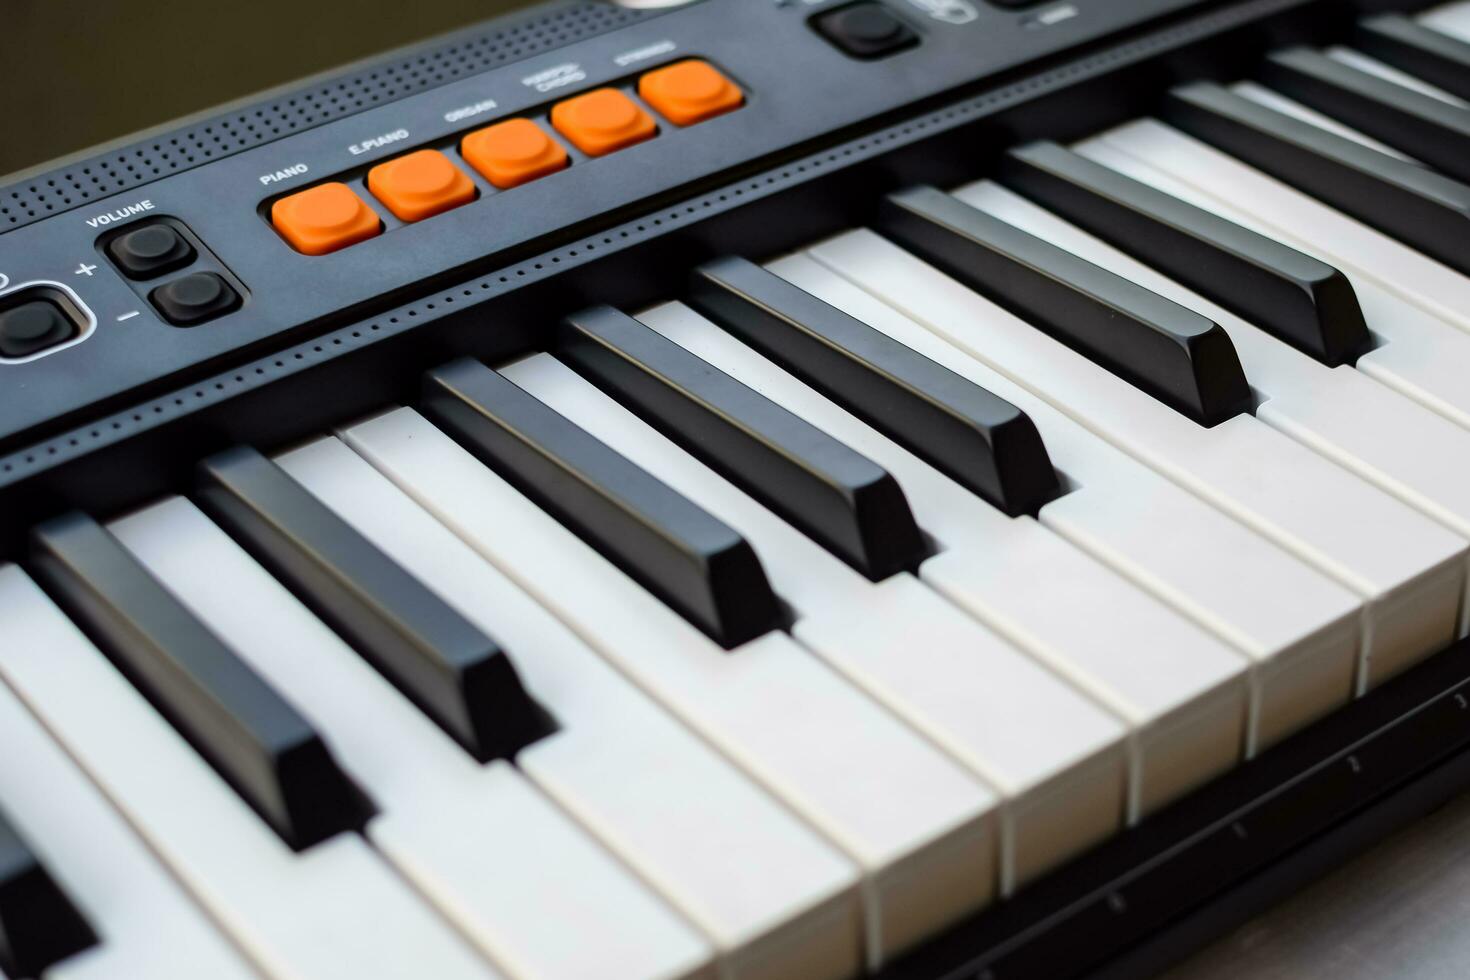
[(467, 53)]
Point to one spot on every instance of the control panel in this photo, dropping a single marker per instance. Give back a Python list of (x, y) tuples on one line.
[(356, 205), (125, 294), (172, 271)]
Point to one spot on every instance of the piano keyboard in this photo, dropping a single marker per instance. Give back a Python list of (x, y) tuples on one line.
[(771, 630)]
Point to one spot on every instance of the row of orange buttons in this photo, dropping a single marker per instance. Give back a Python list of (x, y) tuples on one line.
[(424, 183)]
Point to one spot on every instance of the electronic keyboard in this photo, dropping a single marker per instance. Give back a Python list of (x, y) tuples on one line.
[(790, 489)]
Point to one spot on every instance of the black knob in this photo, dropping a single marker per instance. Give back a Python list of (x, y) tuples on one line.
[(150, 250), (194, 298)]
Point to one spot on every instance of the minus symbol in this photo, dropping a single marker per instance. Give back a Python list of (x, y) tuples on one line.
[(126, 316)]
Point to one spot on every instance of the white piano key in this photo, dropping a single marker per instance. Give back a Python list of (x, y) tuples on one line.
[(121, 889), (1452, 18), (333, 911), (1419, 354), (1182, 693), (787, 908), (1050, 752), (921, 829), (1292, 217), (499, 860), (1261, 95), (1427, 361), (1401, 447), (1362, 62), (1410, 571), (1299, 628)]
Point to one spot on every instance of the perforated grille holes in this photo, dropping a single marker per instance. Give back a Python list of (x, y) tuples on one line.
[(470, 53)]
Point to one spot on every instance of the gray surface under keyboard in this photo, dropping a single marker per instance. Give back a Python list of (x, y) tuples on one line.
[(1400, 910)]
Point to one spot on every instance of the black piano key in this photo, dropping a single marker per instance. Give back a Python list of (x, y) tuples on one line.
[(1183, 359), (39, 925), (1426, 128), (691, 560), (1427, 54), (1424, 209), (839, 497), (1306, 303), (237, 721), (979, 440), (459, 676)]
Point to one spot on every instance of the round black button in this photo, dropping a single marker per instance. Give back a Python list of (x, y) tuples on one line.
[(197, 292), (33, 326), (31, 322), (194, 298), (153, 243), (151, 251), (871, 24), (866, 29)]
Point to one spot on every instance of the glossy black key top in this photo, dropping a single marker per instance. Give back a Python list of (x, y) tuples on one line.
[(1430, 130), (39, 926), (839, 497), (1183, 359), (1306, 303), (237, 721), (977, 439), (1433, 56), (1425, 210), (459, 676), (691, 560)]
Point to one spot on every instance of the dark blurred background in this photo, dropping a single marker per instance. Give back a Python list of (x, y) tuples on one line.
[(78, 73)]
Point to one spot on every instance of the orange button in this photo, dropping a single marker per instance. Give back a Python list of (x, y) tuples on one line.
[(690, 92), (324, 218), (420, 185), (513, 152), (602, 121)]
